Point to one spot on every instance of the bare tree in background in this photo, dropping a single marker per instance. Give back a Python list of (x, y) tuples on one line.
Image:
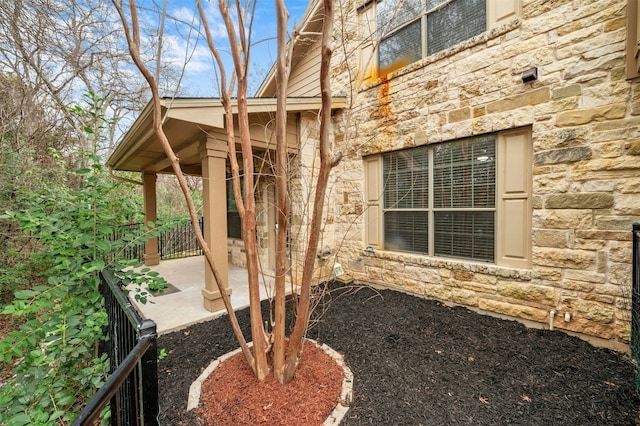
[(268, 339), (61, 49)]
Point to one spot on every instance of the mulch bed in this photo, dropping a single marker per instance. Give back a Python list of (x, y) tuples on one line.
[(419, 362)]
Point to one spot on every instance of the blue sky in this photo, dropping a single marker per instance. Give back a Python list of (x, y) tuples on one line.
[(199, 78)]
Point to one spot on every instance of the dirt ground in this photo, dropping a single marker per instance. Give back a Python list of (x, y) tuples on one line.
[(419, 362)]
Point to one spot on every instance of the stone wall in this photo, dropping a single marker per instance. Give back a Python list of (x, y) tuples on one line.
[(585, 122)]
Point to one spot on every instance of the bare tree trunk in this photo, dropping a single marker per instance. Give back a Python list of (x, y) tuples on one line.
[(282, 193), (247, 204), (133, 39), (327, 162)]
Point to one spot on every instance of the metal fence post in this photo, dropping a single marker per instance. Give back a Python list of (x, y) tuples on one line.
[(635, 297), (149, 373)]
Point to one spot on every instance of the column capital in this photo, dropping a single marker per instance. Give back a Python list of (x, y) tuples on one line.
[(212, 147)]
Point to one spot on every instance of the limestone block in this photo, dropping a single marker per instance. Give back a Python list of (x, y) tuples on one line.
[(411, 286), (592, 311), (561, 138), (482, 125), (562, 219), (592, 200), (533, 97), (595, 67), (463, 275), (614, 222), (586, 276), (547, 274), (485, 279), (550, 238), (518, 311), (602, 234), (564, 258), (460, 114), (620, 273), (598, 186), (580, 286), (584, 116), (567, 91), (563, 155), (586, 326), (600, 298), (627, 204), (620, 251), (439, 292), (478, 287), (464, 297), (528, 292), (422, 274)]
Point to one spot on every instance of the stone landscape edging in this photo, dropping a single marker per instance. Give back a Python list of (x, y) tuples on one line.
[(336, 416)]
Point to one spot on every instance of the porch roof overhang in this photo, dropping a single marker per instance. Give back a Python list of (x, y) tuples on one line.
[(186, 122)]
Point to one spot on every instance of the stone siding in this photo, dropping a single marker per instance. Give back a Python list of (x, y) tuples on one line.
[(585, 122)]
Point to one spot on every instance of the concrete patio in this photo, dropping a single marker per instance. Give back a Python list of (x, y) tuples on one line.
[(181, 305)]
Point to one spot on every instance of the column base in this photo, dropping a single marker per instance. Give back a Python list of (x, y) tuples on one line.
[(212, 300), (151, 259)]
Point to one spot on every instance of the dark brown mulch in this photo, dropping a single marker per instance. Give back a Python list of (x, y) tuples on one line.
[(417, 361)]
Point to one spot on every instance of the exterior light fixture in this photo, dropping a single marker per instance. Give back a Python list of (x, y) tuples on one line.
[(530, 75)]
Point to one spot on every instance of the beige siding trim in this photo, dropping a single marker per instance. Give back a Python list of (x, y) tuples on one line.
[(502, 11), (514, 188), (367, 59), (373, 199), (633, 39), (305, 77)]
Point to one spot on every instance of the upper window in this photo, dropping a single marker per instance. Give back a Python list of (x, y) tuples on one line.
[(411, 29), (452, 185)]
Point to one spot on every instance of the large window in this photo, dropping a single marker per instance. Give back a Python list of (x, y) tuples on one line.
[(464, 199), (411, 29), (441, 199)]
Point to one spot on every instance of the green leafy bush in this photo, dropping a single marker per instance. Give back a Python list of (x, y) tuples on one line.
[(54, 354)]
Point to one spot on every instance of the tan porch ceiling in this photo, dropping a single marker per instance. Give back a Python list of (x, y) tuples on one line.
[(188, 121)]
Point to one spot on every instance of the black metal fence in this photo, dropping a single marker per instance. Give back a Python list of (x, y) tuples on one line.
[(635, 299), (180, 241), (132, 387), (176, 242)]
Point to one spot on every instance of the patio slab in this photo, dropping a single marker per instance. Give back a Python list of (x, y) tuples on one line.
[(179, 309)]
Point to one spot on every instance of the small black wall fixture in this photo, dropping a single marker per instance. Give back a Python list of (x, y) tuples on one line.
[(530, 75)]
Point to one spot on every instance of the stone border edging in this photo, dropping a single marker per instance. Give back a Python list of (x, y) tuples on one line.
[(336, 416)]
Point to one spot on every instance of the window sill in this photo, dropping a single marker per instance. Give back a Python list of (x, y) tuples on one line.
[(452, 264), (424, 62)]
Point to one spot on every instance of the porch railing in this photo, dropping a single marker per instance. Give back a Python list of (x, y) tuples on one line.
[(635, 299), (132, 387), (178, 241)]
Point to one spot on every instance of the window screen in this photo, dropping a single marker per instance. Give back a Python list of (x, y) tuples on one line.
[(455, 22), (453, 184), (392, 14), (406, 199), (401, 48), (464, 173), (234, 225)]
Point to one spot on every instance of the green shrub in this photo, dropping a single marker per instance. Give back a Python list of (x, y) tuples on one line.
[(53, 355)]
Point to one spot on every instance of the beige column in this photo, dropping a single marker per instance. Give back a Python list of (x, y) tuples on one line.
[(151, 255), (213, 154)]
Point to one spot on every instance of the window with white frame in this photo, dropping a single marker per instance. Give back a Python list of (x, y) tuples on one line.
[(440, 199), (411, 29), (466, 199)]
